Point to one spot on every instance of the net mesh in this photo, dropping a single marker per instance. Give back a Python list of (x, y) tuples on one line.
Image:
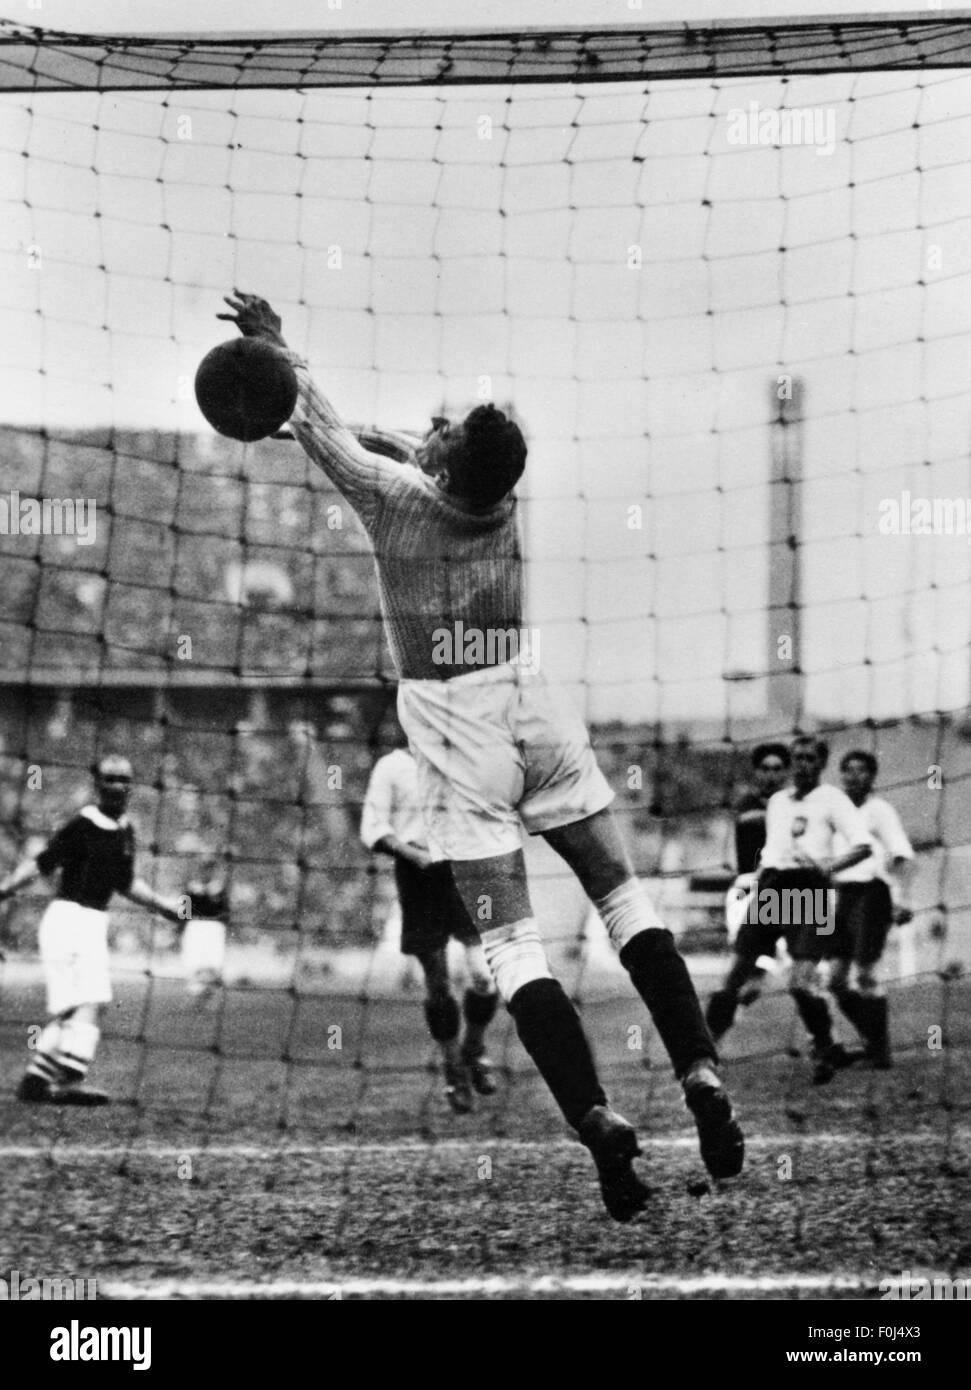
[(735, 349), (42, 59)]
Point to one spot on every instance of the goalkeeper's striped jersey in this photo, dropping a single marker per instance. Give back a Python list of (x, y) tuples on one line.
[(442, 569)]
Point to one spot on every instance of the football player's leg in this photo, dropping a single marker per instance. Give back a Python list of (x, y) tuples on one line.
[(749, 940), (441, 1010), (423, 936), (203, 955), (62, 1057), (866, 1005), (442, 1018), (810, 1004), (595, 852), (74, 954), (849, 903), (868, 948), (743, 976), (44, 1070), (481, 997), (547, 1023), (829, 1056), (743, 983), (479, 1009), (813, 935), (80, 1035), (849, 1000), (875, 1016)]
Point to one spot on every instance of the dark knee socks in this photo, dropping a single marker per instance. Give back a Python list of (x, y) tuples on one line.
[(721, 1010), (815, 1014), (550, 1030), (442, 1017), (661, 978), (479, 1011), (867, 1013)]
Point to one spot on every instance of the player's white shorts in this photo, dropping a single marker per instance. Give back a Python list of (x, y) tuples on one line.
[(497, 749), (73, 943), (203, 949)]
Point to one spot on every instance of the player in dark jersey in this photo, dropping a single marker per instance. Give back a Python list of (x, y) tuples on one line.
[(204, 933), (770, 764), (94, 855)]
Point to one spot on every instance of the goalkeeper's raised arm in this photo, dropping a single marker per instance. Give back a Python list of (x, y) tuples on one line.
[(362, 474)]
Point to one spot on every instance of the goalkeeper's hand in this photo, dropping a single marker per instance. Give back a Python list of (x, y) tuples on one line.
[(253, 317), (901, 916)]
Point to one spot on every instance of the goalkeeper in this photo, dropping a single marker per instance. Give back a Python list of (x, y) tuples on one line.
[(498, 750)]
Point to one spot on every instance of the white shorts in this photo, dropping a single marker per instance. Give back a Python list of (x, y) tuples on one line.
[(203, 947), (496, 750), (73, 943)]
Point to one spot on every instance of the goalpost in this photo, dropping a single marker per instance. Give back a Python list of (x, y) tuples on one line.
[(722, 273)]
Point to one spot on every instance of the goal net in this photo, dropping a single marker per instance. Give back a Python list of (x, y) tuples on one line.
[(723, 275)]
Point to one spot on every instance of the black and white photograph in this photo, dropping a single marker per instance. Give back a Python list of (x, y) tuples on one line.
[(485, 660)]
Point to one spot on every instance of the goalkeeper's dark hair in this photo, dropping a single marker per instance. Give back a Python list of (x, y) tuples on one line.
[(492, 459)]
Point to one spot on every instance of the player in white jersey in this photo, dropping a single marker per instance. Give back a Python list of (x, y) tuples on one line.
[(865, 909), (431, 913), (813, 831), (94, 855)]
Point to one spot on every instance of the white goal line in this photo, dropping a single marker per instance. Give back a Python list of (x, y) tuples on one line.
[(631, 1285), (59, 1152)]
